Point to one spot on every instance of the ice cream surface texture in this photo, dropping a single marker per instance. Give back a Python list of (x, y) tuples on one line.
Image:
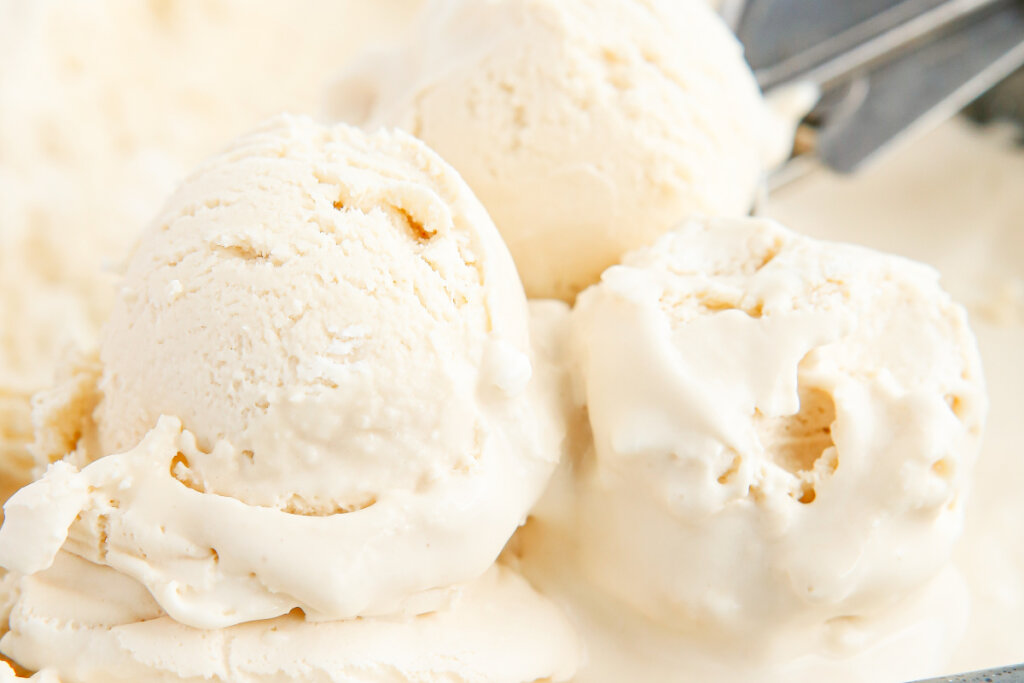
[(783, 431), (93, 624), (337, 342), (585, 127)]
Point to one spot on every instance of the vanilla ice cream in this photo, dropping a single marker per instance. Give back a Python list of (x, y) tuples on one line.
[(315, 391), (783, 433), (585, 127)]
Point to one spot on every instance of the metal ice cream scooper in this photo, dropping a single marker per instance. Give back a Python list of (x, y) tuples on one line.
[(1003, 674), (883, 67)]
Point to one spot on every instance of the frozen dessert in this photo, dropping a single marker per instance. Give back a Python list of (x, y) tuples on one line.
[(314, 397), (586, 128), (104, 107), (742, 381), (783, 435)]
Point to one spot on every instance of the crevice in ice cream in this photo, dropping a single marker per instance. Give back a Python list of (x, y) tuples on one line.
[(797, 442)]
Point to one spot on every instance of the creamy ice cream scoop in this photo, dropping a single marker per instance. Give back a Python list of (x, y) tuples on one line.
[(784, 429), (335, 305), (315, 391), (586, 128)]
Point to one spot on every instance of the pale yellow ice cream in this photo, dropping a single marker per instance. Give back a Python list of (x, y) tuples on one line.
[(586, 127), (316, 391), (783, 436)]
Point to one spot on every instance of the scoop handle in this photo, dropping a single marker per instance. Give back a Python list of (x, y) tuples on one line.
[(827, 41)]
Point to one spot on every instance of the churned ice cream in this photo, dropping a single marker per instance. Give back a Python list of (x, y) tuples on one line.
[(586, 128), (315, 392), (783, 435)]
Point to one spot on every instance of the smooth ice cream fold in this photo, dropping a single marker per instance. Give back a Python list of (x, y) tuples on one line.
[(37, 519), (736, 364), (201, 562)]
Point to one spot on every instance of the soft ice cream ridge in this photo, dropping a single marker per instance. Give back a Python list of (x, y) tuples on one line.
[(337, 341)]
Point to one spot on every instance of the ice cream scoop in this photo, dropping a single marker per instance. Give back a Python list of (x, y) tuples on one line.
[(784, 430), (315, 391), (586, 128)]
